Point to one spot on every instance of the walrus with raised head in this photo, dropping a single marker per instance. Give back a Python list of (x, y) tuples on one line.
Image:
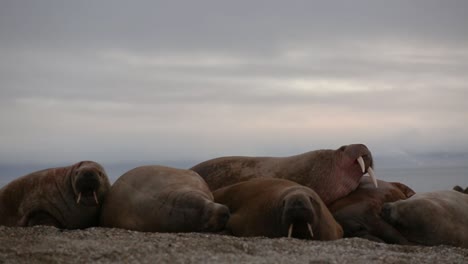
[(460, 189), (162, 199), (277, 208), (331, 173), (431, 218), (359, 212), (66, 197)]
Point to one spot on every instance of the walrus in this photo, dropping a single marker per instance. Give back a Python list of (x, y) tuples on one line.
[(358, 213), (431, 218), (162, 199), (273, 207), (65, 197), (460, 189), (331, 173)]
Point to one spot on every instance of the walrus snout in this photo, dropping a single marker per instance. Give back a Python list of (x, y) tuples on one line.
[(297, 209), (87, 185), (298, 215), (215, 217), (87, 180), (354, 151), (359, 158)]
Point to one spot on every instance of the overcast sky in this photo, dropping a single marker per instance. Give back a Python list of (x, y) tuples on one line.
[(129, 81)]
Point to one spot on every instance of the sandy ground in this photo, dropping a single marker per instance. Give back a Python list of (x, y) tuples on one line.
[(104, 245)]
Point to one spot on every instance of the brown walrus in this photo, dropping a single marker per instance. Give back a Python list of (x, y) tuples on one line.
[(359, 212), (431, 218), (162, 199), (277, 208), (460, 189), (65, 197), (331, 173)]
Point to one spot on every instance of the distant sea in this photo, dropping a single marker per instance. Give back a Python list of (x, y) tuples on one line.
[(421, 179), (425, 179)]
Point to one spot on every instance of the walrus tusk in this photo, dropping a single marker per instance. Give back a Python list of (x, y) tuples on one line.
[(290, 230), (79, 198), (310, 230), (372, 175), (361, 162), (95, 197)]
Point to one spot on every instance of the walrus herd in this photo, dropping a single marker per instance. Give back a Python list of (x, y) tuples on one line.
[(320, 195)]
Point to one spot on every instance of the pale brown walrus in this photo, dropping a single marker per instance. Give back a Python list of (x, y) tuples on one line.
[(162, 199), (277, 208), (359, 212), (331, 173), (431, 218), (65, 197)]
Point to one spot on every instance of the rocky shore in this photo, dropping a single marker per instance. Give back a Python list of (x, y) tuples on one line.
[(103, 245)]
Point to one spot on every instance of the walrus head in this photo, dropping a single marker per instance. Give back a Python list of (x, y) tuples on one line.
[(460, 189), (298, 216), (397, 214), (333, 174), (215, 217), (359, 212), (193, 210), (349, 163), (356, 159), (89, 183)]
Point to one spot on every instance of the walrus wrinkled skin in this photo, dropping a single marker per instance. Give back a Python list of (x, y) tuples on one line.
[(65, 197), (460, 189), (162, 199), (432, 218), (277, 208), (331, 173), (359, 212)]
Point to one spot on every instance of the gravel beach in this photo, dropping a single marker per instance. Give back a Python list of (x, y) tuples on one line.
[(103, 245)]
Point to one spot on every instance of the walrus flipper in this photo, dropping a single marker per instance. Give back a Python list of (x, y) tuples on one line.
[(40, 218)]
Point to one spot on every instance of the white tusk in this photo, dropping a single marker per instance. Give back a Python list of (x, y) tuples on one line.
[(361, 162), (372, 175), (95, 197), (290, 230), (310, 230), (79, 198)]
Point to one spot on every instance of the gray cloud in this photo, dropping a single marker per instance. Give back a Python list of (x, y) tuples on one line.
[(226, 26), (120, 81)]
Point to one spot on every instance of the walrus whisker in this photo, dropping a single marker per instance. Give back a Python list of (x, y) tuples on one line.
[(310, 230), (360, 160), (79, 198), (95, 197), (290, 230), (372, 175)]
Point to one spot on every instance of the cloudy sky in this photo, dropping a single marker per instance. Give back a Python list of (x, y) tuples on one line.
[(135, 81)]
